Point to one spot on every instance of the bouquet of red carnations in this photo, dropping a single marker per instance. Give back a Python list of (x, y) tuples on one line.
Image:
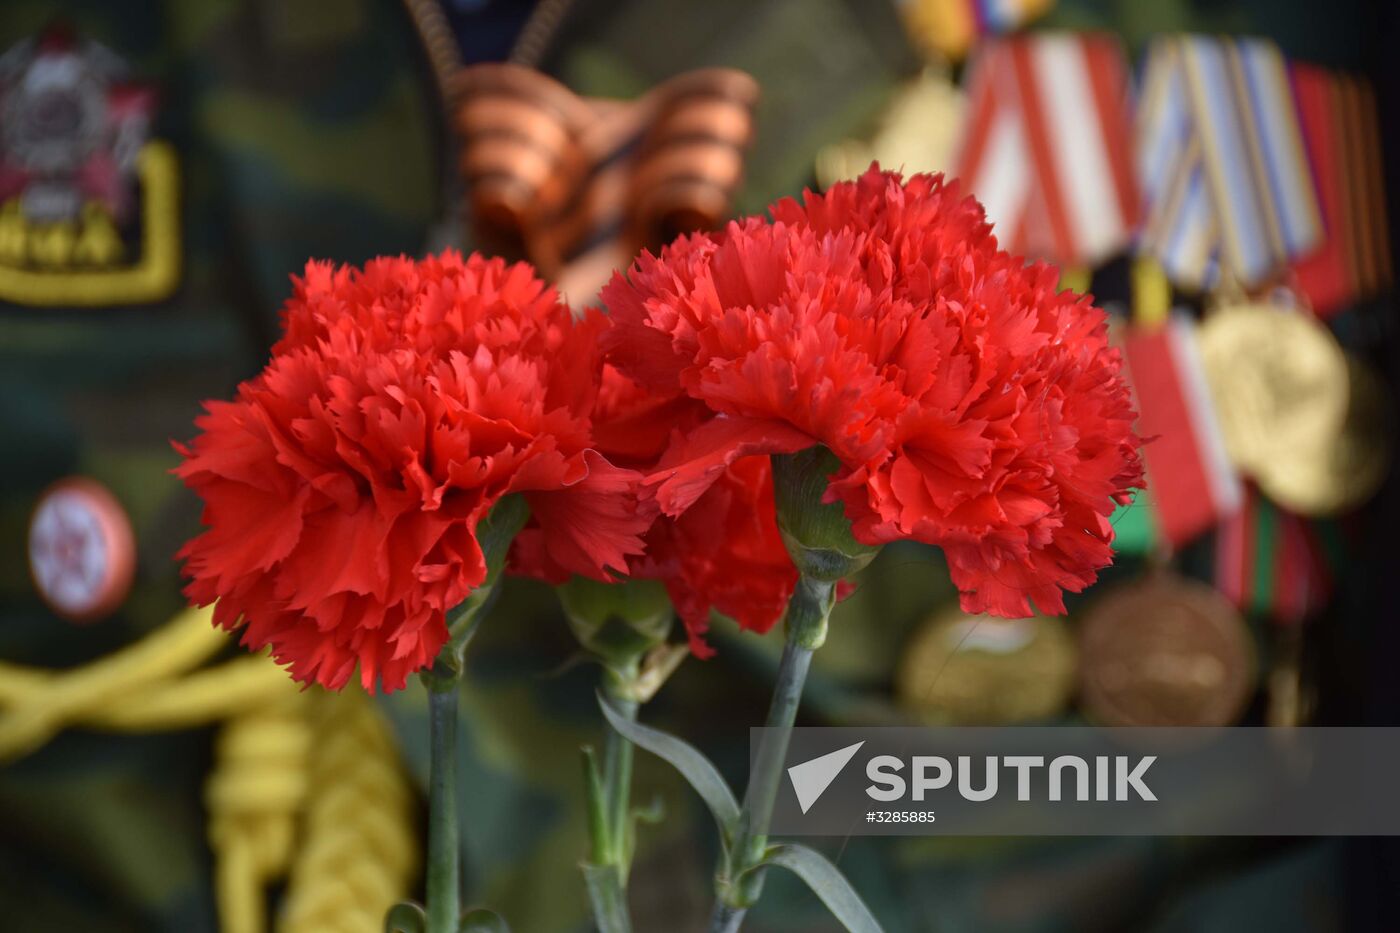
[(740, 427)]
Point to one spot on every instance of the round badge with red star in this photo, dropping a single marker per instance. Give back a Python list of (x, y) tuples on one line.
[(82, 553)]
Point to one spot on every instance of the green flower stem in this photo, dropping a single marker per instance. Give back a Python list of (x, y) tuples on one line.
[(494, 533), (622, 626), (444, 893), (609, 899), (727, 918), (740, 880), (596, 809), (611, 807), (763, 783), (617, 786)]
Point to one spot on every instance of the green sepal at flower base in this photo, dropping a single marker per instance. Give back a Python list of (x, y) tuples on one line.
[(494, 534), (818, 538), (623, 626), (817, 534), (618, 622)]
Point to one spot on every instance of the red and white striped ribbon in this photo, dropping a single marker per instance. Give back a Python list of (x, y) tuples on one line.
[(1048, 145), (1193, 483)]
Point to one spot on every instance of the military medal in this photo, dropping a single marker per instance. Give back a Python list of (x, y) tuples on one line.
[(1279, 380), (972, 670), (1269, 562), (1334, 473), (949, 28), (1338, 119), (1165, 651), (89, 211), (82, 554)]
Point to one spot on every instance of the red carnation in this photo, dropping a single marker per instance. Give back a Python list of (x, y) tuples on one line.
[(343, 484), (970, 405)]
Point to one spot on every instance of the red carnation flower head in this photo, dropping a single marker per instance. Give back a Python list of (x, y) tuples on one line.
[(968, 403), (343, 485)]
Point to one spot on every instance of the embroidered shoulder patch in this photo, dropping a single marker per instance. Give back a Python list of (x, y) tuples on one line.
[(89, 204)]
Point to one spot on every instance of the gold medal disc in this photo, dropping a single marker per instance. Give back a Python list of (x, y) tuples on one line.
[(1338, 473), (1278, 379), (980, 670), (1165, 651)]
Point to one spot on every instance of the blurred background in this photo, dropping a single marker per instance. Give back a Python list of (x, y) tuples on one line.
[(166, 166)]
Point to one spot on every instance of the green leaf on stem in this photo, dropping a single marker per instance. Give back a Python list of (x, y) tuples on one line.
[(481, 920), (405, 917), (597, 808), (698, 770), (827, 882)]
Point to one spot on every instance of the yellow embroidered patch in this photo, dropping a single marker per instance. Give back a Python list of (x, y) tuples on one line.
[(83, 262)]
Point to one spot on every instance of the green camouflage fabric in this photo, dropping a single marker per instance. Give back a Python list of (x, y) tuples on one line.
[(310, 128)]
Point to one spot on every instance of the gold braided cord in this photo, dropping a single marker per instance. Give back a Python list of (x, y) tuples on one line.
[(191, 701), (305, 782), (254, 795), (35, 715), (360, 851)]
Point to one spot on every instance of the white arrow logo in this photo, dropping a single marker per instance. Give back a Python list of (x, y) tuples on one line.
[(811, 778)]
